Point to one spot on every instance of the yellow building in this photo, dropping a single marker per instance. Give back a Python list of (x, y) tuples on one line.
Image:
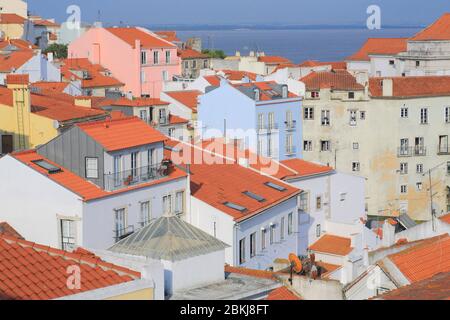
[(31, 119), (12, 26)]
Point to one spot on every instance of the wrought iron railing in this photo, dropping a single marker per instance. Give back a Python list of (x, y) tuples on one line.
[(443, 150), (123, 179), (411, 151), (120, 234)]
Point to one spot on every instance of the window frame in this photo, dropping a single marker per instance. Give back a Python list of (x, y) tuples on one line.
[(87, 169)]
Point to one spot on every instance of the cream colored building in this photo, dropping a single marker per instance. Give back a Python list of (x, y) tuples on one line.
[(18, 7), (390, 131)]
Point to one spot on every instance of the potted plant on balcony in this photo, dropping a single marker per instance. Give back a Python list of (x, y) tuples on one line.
[(128, 180)]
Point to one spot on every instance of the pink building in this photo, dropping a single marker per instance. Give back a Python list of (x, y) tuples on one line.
[(136, 56)]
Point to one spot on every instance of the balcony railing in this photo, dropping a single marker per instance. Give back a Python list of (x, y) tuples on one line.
[(412, 151), (290, 150), (268, 128), (443, 150), (123, 233), (291, 125), (123, 179)]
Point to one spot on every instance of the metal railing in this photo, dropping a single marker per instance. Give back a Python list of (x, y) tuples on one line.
[(268, 127), (291, 125), (443, 150), (411, 151), (123, 179), (123, 233), (290, 150)]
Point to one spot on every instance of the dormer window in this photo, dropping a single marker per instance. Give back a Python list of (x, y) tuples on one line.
[(91, 168)]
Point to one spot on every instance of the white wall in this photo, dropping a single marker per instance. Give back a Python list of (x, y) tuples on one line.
[(31, 203), (194, 272), (98, 221)]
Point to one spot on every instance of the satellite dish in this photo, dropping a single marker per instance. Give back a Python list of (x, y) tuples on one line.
[(295, 263)]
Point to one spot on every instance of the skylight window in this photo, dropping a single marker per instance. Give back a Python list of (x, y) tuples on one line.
[(275, 186), (47, 166), (254, 196), (235, 206)]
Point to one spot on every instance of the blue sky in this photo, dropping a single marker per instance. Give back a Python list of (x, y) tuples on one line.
[(397, 12)]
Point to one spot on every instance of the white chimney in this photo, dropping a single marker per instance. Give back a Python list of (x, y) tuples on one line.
[(388, 87), (388, 234)]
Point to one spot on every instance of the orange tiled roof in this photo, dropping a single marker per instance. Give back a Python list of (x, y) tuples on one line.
[(332, 244), (250, 272), (329, 268), (168, 35), (407, 87), (58, 107), (273, 60), (234, 75), (213, 80), (173, 119), (189, 53), (130, 35), (95, 71), (11, 18), (424, 260), (335, 65), (282, 293), (438, 31), (338, 80), (379, 46), (303, 168), (30, 271), (14, 60), (45, 23), (434, 288), (136, 102), (84, 188), (50, 86), (19, 43), (187, 98), (123, 133), (7, 230), (445, 218)]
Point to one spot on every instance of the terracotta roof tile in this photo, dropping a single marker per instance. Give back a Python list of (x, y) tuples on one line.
[(189, 53), (424, 260), (14, 60), (97, 74), (439, 30), (148, 40), (335, 65), (45, 23), (173, 119), (168, 35), (303, 168), (6, 229), (18, 43), (213, 80), (135, 102), (122, 133), (445, 218), (234, 75), (189, 98), (84, 188), (282, 293), (11, 18), (266, 89), (210, 183), (332, 244), (273, 60), (379, 46), (405, 87), (32, 273), (338, 80), (250, 272), (434, 288)]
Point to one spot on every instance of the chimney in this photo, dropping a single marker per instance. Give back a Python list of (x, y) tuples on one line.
[(388, 87), (388, 234), (85, 102), (284, 91), (257, 94), (19, 85)]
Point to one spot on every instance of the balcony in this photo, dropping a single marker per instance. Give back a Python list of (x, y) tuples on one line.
[(123, 233), (417, 151), (291, 125), (127, 178), (443, 150), (291, 150), (267, 128)]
